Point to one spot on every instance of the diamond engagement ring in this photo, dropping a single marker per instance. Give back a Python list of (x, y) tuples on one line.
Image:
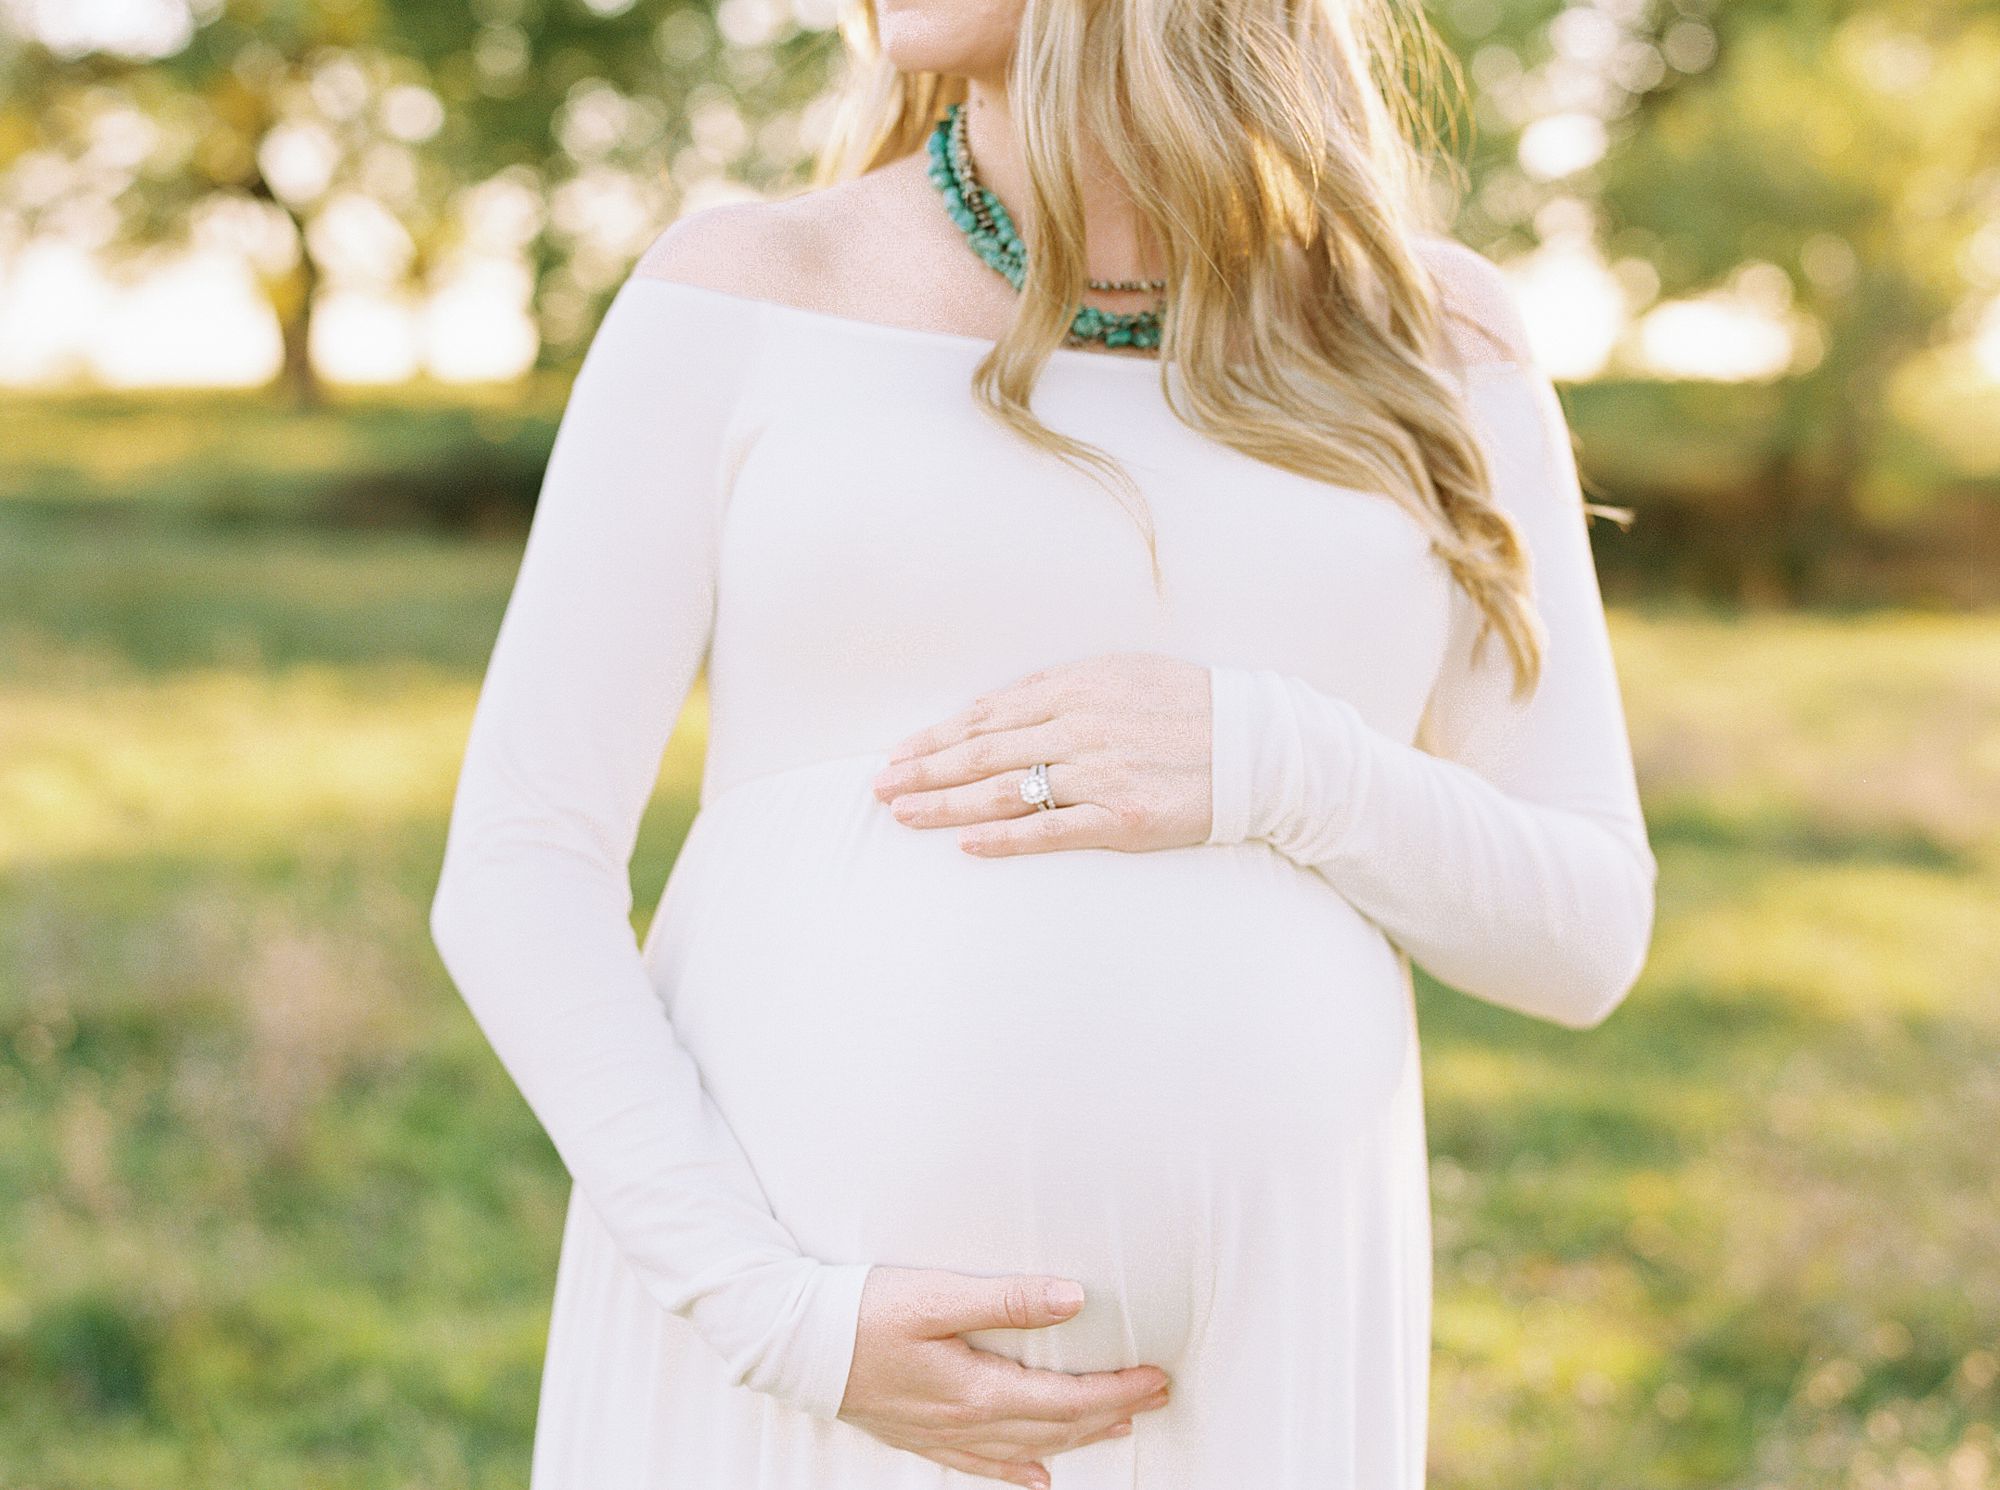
[(1035, 788)]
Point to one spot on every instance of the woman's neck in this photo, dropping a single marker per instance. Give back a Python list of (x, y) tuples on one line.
[(1113, 231)]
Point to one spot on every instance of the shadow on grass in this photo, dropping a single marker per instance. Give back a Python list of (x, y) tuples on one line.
[(158, 597), (1774, 834)]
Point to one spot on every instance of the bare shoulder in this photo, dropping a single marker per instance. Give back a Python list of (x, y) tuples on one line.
[(1481, 311), (800, 250), (751, 248)]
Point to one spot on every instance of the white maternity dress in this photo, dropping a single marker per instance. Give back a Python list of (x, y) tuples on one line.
[(1187, 1078)]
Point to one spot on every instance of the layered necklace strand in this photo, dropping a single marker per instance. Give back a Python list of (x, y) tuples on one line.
[(983, 219)]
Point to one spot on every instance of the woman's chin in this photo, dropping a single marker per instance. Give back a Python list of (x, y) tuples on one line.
[(915, 38)]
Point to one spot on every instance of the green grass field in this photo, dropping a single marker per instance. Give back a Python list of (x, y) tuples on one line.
[(276, 1220)]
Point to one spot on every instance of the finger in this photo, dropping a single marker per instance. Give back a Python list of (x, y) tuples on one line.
[(1045, 1396), (995, 798), (1084, 825), (1052, 1438), (1065, 1439), (1014, 1436), (1012, 1470), (1028, 701), (959, 1302), (1120, 1429), (974, 759)]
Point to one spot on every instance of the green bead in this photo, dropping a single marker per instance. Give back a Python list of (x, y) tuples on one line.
[(1001, 248)]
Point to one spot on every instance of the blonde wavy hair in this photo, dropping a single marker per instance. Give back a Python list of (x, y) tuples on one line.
[(1244, 129)]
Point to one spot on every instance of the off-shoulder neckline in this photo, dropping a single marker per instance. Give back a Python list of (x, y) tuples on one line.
[(921, 334), (885, 329)]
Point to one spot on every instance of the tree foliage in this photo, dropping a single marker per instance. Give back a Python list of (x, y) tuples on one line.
[(284, 125), (1836, 160)]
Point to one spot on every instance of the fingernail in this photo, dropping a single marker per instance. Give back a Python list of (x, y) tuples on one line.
[(1065, 1295), (1119, 1430)]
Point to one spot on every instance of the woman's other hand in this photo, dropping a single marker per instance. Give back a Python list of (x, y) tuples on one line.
[(1125, 735), (916, 1385)]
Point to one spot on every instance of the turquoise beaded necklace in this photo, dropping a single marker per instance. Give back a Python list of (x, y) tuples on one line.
[(984, 220)]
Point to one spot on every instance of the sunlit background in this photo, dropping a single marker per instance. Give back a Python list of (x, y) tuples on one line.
[(290, 294), (340, 159)]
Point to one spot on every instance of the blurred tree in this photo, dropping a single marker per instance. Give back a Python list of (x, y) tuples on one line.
[(1832, 161), (1848, 155), (384, 140), (1833, 164)]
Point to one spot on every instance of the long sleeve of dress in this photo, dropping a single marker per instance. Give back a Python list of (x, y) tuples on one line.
[(607, 624), (1505, 852)]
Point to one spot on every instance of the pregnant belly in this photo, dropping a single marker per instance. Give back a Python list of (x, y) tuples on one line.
[(1078, 1062)]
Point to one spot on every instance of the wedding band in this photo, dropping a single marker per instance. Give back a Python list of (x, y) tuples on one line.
[(1035, 788)]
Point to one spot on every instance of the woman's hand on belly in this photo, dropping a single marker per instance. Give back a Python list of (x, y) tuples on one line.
[(916, 1385), (1126, 738)]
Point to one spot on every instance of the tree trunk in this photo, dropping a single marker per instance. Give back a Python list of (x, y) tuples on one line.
[(292, 300), (295, 312), (1765, 578)]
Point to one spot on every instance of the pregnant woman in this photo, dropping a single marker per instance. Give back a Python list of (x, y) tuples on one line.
[(1146, 604)]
